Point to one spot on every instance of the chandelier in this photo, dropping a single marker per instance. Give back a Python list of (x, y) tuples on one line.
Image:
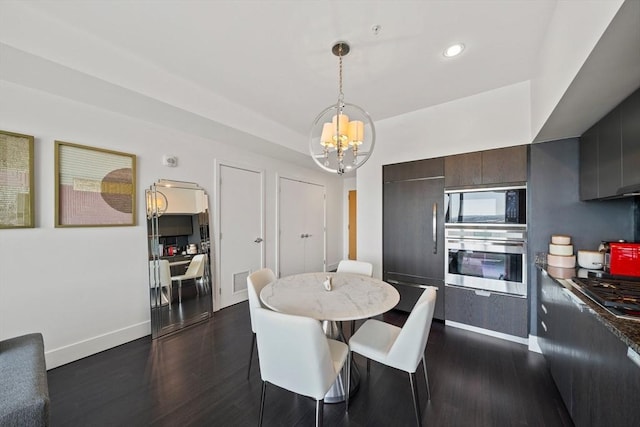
[(156, 203), (343, 135)]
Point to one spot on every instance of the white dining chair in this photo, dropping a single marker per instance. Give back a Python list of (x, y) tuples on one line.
[(355, 267), (195, 271), (161, 278), (256, 281), (400, 348), (296, 355)]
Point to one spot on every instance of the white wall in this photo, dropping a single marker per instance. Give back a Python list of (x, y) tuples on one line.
[(565, 49), (86, 289), (499, 118)]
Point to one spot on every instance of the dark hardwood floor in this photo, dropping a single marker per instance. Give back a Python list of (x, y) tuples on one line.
[(197, 377)]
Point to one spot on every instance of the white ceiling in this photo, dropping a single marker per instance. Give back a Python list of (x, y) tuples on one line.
[(273, 57)]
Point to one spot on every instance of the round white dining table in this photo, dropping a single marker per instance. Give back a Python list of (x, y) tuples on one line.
[(351, 297)]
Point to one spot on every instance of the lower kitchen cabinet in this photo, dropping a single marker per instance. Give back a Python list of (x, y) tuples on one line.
[(598, 382), (487, 310)]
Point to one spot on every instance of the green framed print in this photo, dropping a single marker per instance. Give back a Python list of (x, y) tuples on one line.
[(94, 187), (16, 181)]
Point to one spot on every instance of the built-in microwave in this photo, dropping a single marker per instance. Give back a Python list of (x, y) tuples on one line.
[(505, 205)]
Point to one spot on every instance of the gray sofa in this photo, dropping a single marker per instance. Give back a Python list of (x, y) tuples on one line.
[(24, 394)]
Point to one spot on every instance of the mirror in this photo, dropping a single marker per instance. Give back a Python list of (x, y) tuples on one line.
[(179, 256)]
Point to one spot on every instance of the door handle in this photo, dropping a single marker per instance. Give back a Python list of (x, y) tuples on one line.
[(435, 231), (258, 240), (302, 236)]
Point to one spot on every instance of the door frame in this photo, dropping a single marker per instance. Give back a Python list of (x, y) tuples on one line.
[(217, 165), (279, 177)]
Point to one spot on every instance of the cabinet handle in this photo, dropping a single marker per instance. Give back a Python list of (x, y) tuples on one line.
[(543, 326), (543, 308), (483, 293), (435, 231)]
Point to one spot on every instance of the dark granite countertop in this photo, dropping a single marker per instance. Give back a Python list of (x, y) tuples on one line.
[(627, 330)]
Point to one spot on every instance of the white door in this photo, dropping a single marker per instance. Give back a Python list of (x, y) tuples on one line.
[(301, 245), (241, 231), (314, 224)]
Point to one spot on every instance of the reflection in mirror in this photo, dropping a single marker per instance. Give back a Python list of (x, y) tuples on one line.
[(179, 256)]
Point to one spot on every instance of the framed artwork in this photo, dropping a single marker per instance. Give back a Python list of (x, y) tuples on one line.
[(94, 187), (16, 181)]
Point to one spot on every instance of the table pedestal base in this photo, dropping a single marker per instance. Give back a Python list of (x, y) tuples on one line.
[(337, 392)]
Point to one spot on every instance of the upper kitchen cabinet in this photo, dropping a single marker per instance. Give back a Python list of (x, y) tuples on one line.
[(589, 164), (427, 168), (630, 140), (463, 170), (505, 165), (490, 167), (610, 153)]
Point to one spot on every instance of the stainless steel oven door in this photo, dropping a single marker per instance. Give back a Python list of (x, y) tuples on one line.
[(493, 265)]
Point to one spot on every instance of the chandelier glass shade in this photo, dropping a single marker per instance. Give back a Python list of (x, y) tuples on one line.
[(343, 134)]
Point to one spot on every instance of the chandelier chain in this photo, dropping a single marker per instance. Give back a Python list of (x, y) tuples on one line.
[(340, 74)]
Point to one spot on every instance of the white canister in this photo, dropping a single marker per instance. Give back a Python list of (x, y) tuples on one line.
[(593, 260)]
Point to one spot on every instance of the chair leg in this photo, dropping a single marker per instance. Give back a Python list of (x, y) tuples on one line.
[(319, 412), (253, 346), (180, 291), (264, 389), (426, 378), (414, 392), (347, 386), (168, 295), (353, 327)]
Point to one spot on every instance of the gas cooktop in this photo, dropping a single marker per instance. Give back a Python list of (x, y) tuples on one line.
[(620, 297)]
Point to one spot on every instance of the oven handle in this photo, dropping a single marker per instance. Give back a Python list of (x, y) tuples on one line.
[(433, 227), (488, 242)]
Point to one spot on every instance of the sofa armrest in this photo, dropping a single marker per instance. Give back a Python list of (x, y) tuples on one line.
[(24, 393)]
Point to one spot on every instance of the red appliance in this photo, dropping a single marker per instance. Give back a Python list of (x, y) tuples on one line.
[(624, 259)]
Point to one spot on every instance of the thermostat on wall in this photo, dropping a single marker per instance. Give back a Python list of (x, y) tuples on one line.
[(171, 161)]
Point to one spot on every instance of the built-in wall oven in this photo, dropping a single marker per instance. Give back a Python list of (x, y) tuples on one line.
[(486, 240), (492, 259)]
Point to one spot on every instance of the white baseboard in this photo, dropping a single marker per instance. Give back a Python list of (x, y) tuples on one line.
[(69, 353), (534, 345), (488, 332)]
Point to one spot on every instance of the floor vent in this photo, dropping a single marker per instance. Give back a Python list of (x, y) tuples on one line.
[(240, 281)]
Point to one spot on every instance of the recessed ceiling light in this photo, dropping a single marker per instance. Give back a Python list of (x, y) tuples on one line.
[(453, 50)]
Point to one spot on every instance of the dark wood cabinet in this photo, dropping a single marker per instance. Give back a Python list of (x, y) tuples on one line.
[(504, 165), (487, 310), (413, 251), (463, 170), (610, 153), (175, 225), (426, 168), (490, 167), (630, 140), (589, 164), (598, 382)]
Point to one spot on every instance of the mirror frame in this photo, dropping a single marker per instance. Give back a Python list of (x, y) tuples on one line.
[(158, 203)]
